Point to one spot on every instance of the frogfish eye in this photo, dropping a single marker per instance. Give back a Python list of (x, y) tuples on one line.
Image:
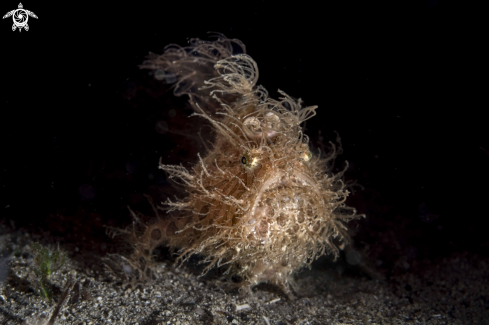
[(249, 160)]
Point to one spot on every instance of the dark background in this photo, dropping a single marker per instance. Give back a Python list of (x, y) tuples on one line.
[(401, 82)]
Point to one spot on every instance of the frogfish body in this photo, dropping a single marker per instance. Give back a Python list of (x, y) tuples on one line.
[(258, 202)]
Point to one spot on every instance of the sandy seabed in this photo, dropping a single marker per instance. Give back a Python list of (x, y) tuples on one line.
[(452, 290)]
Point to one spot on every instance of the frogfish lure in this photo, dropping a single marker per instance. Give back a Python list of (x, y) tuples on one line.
[(258, 202)]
